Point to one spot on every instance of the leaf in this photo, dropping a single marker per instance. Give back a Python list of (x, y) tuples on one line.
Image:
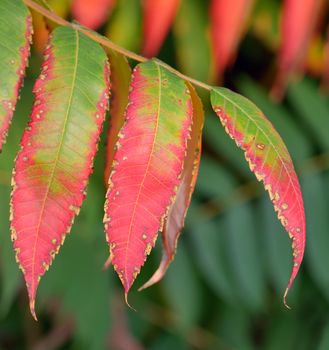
[(57, 150), (147, 165), (227, 22), (92, 13), (315, 186), (241, 246), (297, 26), (269, 159), (15, 40), (157, 19), (191, 39), (312, 107), (120, 79), (127, 15), (174, 223)]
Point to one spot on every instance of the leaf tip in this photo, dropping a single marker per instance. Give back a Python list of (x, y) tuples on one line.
[(127, 302), (32, 309), (285, 299)]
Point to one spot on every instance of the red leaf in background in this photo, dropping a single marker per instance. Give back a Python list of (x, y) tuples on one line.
[(147, 166), (92, 13), (227, 21), (57, 151), (158, 17), (299, 19), (174, 223)]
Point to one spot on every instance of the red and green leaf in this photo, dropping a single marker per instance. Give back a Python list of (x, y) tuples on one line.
[(227, 20), (57, 150), (15, 40), (147, 166), (269, 159), (174, 223), (92, 13), (297, 26), (120, 79), (158, 17)]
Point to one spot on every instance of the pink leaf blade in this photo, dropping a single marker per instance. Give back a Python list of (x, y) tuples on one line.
[(158, 17), (15, 38), (57, 150), (297, 27), (174, 223), (92, 13), (269, 159), (147, 166), (227, 23)]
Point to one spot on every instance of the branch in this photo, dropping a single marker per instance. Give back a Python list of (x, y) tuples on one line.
[(107, 43)]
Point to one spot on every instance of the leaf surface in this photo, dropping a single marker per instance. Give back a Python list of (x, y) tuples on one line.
[(15, 40), (92, 13), (120, 79), (147, 165), (57, 150), (174, 223), (297, 26), (227, 21), (158, 17), (269, 159)]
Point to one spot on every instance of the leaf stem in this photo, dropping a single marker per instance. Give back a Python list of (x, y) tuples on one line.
[(106, 42)]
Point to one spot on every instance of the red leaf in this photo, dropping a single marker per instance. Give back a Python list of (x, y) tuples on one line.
[(15, 51), (269, 159), (228, 19), (147, 166), (57, 151), (174, 223), (92, 13), (299, 19), (158, 17)]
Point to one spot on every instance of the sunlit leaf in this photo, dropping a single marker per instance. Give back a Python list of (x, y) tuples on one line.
[(57, 150), (269, 159)]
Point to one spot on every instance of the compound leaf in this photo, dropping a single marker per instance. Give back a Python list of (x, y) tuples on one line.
[(57, 150), (269, 159)]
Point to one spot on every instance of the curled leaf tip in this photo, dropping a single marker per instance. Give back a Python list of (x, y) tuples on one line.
[(107, 263), (157, 276), (285, 298), (32, 309), (127, 302)]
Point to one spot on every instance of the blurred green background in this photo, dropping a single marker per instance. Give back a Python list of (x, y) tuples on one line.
[(224, 289)]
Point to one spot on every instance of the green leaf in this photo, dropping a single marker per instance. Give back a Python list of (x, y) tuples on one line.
[(312, 107), (270, 161), (57, 150), (15, 40)]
